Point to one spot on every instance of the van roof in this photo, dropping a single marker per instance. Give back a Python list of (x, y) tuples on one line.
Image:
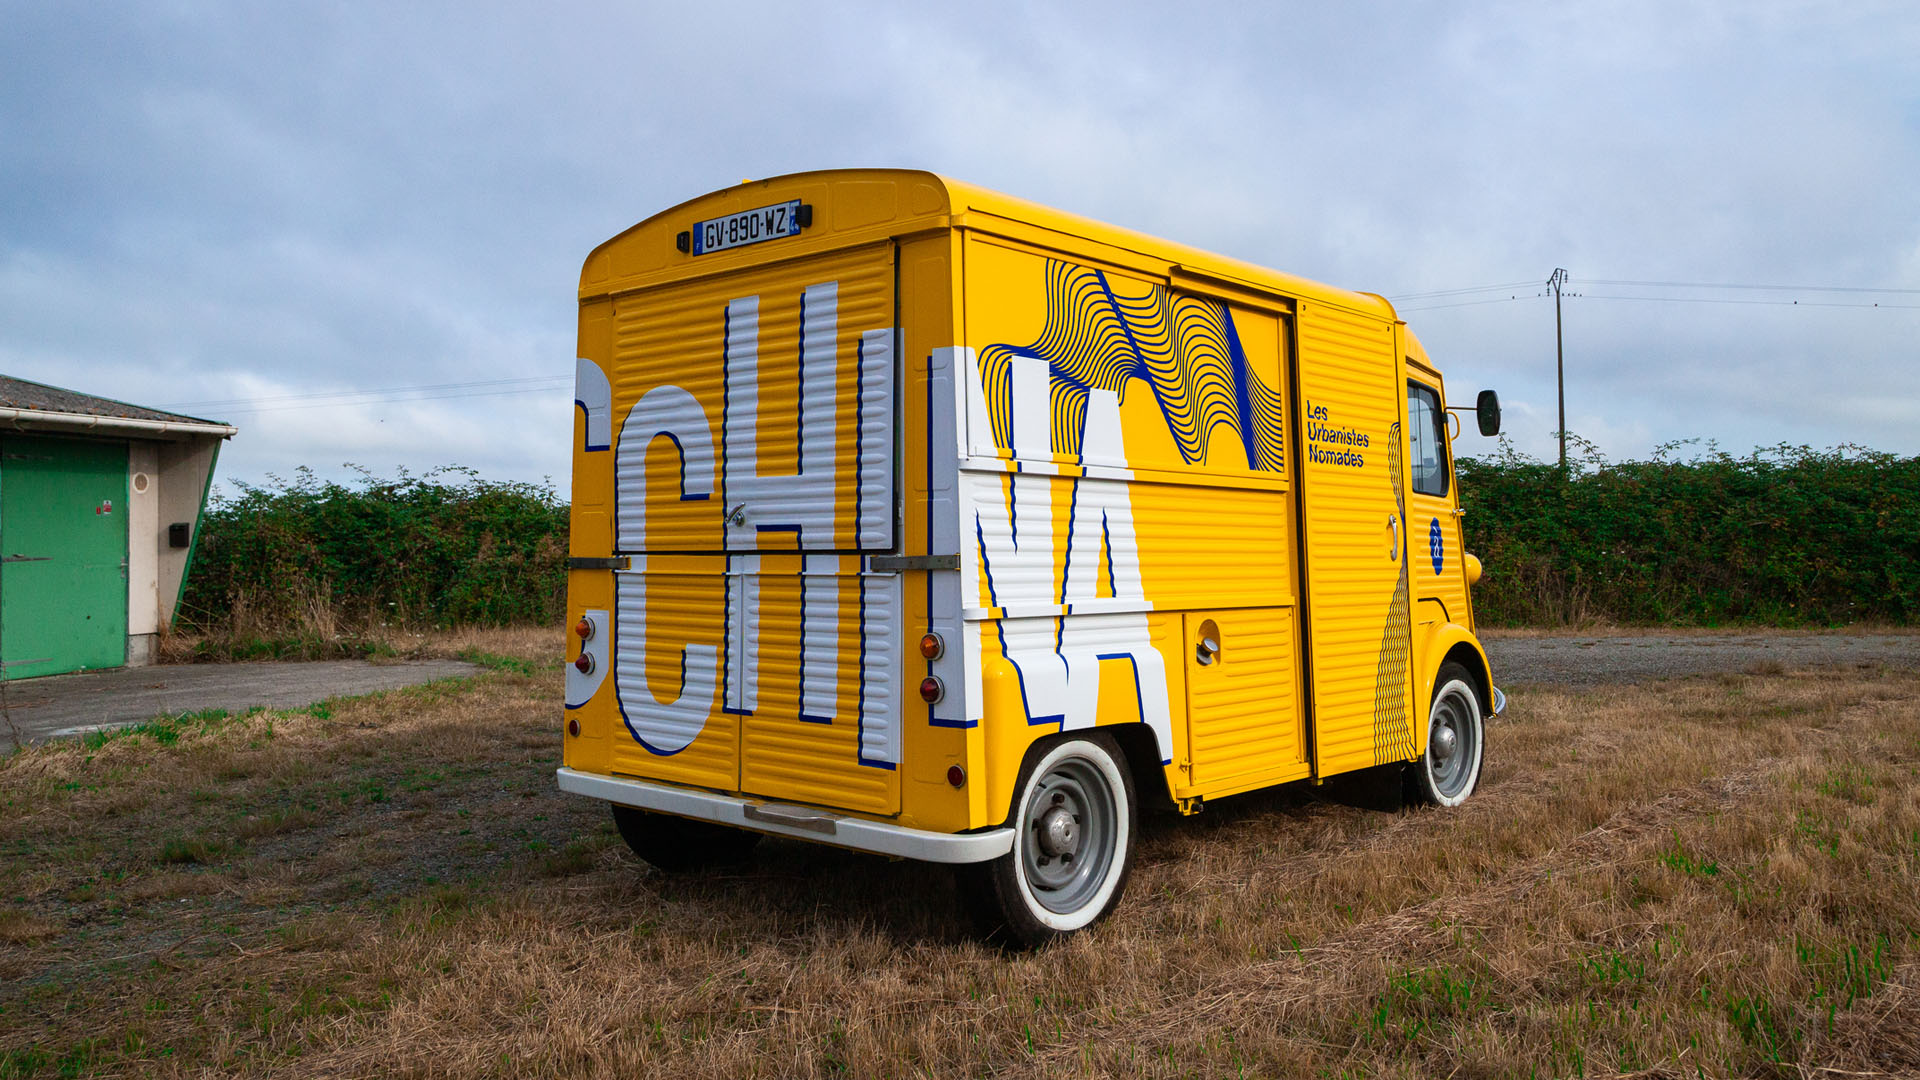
[(640, 255)]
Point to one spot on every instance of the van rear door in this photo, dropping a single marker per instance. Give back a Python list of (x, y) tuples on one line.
[(754, 470)]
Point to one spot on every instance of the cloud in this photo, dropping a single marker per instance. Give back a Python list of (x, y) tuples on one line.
[(205, 198)]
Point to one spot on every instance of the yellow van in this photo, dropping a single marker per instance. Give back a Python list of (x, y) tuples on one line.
[(918, 519)]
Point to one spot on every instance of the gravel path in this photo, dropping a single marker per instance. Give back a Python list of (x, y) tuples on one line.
[(1587, 661)]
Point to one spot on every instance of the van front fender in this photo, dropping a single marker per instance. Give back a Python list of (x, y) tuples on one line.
[(1451, 641)]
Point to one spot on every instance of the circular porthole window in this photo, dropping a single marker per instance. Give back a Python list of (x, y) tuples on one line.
[(140, 483)]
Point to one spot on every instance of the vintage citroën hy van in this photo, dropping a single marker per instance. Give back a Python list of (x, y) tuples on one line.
[(918, 519)]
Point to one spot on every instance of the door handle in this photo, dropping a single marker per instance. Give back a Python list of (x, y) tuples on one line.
[(1393, 526)]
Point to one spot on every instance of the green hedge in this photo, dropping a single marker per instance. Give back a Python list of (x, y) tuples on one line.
[(1786, 535), (441, 549)]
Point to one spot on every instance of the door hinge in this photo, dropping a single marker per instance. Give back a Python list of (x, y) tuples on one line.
[(598, 562), (914, 562)]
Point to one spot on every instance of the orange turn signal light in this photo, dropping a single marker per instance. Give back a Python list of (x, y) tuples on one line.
[(584, 628), (932, 647)]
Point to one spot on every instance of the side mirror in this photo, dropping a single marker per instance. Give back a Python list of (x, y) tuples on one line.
[(1486, 409)]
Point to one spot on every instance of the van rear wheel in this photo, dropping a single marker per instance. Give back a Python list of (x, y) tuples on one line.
[(677, 844), (1456, 741), (1074, 817)]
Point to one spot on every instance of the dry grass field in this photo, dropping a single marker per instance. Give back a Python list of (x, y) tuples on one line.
[(1715, 876)]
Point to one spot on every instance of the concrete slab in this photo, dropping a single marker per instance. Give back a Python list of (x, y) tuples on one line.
[(65, 705)]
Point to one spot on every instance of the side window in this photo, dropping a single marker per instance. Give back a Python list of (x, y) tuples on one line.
[(1427, 440)]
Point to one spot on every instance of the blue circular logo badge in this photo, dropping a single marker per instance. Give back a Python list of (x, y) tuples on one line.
[(1437, 544)]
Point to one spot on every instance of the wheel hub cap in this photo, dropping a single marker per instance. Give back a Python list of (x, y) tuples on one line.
[(1059, 833), (1445, 741)]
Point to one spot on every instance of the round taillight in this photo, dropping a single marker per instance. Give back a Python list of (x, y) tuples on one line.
[(931, 690), (584, 664), (932, 647), (956, 776), (573, 726), (584, 628)]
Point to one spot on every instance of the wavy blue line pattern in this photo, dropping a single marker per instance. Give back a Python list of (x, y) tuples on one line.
[(1184, 348)]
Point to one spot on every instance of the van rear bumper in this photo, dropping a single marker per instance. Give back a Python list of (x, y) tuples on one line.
[(786, 819)]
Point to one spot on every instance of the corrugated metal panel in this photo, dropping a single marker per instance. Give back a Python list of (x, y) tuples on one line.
[(766, 395), (755, 415), (826, 724), (668, 628), (1243, 708), (1353, 499)]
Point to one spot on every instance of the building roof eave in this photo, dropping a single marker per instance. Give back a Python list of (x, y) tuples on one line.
[(89, 424)]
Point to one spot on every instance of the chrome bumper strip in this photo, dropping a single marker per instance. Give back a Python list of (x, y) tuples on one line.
[(786, 819)]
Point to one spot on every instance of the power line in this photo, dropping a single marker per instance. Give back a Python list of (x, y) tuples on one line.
[(1471, 303), (275, 401), (1437, 293), (1730, 300), (388, 400), (1774, 288)]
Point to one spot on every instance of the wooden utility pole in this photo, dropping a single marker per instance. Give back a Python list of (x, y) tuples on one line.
[(1557, 279)]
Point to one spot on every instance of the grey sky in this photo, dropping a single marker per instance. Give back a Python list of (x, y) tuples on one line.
[(212, 202)]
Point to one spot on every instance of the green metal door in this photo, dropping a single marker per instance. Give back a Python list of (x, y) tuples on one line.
[(63, 555)]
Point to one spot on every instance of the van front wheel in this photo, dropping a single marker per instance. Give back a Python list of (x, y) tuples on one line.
[(1456, 741), (1073, 818)]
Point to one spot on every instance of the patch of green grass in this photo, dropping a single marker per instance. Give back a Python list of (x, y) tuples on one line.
[(35, 1062), (197, 851), (1842, 972), (497, 662), (167, 728), (1850, 783), (1762, 1027), (1679, 858)]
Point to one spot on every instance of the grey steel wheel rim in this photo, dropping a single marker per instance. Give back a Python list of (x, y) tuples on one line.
[(1453, 743), (1067, 836)]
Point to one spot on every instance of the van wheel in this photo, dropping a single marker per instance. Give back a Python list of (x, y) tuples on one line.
[(1073, 817), (1456, 741), (675, 844)]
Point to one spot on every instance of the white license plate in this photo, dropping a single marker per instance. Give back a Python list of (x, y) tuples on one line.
[(747, 227)]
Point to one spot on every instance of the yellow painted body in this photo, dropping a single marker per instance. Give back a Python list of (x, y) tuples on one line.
[(1158, 487)]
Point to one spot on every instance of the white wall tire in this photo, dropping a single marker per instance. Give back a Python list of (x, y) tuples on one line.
[(1074, 818), (1449, 770)]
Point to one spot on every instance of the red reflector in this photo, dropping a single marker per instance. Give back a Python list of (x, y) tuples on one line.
[(956, 776), (573, 727), (931, 690), (584, 665), (932, 647), (583, 628)]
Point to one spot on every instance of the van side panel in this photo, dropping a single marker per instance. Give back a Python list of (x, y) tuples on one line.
[(1125, 491)]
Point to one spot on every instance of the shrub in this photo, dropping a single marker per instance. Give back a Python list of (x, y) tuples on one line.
[(307, 556), (1785, 535)]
